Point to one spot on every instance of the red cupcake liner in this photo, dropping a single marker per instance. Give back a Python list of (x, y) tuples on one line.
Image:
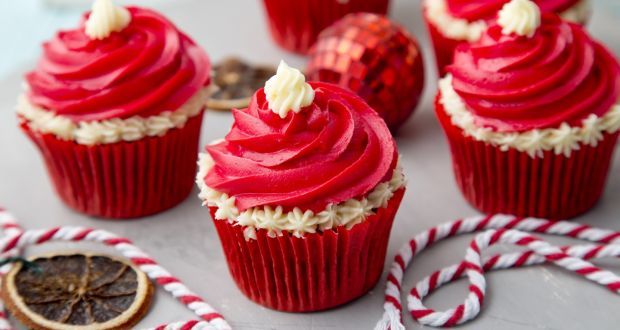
[(126, 179), (443, 46), (552, 187), (296, 24), (316, 272)]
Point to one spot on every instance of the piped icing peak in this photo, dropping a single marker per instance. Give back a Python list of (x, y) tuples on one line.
[(106, 18), (521, 17), (288, 91)]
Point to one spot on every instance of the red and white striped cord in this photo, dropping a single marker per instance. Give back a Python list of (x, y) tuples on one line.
[(14, 239), (9, 227), (496, 229)]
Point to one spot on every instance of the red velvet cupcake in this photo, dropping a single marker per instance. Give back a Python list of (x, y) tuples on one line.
[(451, 22), (532, 116), (115, 107), (295, 25), (303, 192)]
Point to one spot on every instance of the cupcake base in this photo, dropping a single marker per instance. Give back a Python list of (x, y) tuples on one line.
[(316, 272), (552, 187), (297, 33), (125, 179)]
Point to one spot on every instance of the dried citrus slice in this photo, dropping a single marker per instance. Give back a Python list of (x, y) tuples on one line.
[(77, 291), (234, 83)]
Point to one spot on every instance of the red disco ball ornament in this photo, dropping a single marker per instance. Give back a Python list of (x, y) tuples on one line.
[(375, 58)]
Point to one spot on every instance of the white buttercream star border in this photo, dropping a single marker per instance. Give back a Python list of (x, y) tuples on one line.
[(562, 140), (112, 130), (297, 222), (462, 29)]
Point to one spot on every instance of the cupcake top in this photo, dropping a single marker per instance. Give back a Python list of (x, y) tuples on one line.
[(532, 72), (303, 149), (118, 63), (472, 10), (468, 19)]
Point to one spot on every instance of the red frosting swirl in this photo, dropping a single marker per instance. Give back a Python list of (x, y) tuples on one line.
[(336, 149), (145, 69), (473, 10), (513, 83)]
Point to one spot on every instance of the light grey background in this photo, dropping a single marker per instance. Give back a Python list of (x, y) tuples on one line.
[(184, 240)]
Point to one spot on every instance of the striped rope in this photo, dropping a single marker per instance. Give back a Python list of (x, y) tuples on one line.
[(495, 229), (9, 227), (14, 239)]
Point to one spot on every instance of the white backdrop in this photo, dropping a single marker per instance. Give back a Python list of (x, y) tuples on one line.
[(183, 239)]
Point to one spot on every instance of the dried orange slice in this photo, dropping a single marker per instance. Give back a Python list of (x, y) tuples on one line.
[(234, 83), (77, 291)]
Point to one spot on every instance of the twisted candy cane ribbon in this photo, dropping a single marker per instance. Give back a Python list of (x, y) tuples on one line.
[(497, 229), (14, 239), (9, 227)]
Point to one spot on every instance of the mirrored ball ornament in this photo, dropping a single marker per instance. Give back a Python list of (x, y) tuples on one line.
[(375, 58)]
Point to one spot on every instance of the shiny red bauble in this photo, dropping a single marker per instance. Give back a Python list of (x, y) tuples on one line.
[(375, 58)]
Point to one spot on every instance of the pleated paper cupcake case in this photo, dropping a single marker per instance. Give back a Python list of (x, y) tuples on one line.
[(124, 179), (554, 186), (316, 272)]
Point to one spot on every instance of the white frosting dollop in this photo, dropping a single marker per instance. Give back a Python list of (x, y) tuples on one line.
[(106, 18), (460, 29), (563, 140), (111, 130), (521, 17), (288, 91), (275, 221)]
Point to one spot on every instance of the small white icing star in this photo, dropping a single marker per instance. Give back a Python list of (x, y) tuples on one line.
[(226, 209), (564, 139), (381, 195), (354, 211), (301, 222), (328, 218), (272, 220), (591, 132)]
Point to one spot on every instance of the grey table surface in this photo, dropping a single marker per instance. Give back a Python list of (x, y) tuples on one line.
[(183, 239)]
